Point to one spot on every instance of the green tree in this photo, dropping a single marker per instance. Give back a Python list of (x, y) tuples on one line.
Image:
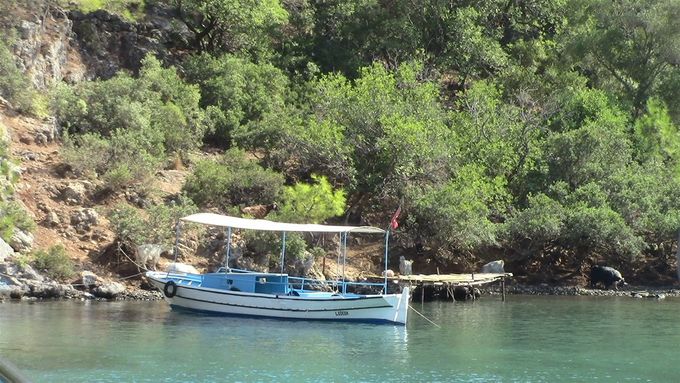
[(656, 137), (155, 225), (232, 180), (219, 26), (311, 203), (240, 95), (455, 215), (156, 103), (628, 46)]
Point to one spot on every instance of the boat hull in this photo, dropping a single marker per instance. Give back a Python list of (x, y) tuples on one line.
[(389, 308)]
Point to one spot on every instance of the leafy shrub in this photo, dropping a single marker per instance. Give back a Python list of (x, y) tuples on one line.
[(54, 262), (8, 176), (265, 243), (156, 112), (311, 203), (233, 180), (13, 215), (240, 93), (128, 158), (14, 86), (156, 225)]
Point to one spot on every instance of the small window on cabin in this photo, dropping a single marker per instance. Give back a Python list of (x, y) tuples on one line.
[(262, 280)]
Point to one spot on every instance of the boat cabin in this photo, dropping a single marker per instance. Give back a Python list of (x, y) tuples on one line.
[(262, 283)]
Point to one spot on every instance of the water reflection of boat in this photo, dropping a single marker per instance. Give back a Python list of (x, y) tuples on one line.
[(278, 295)]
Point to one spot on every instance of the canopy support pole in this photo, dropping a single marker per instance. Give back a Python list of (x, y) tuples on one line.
[(337, 264), (175, 250), (344, 261), (283, 250), (387, 240), (226, 259)]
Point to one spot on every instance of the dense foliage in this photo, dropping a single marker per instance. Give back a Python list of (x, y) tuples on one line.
[(156, 225), (124, 129), (544, 132)]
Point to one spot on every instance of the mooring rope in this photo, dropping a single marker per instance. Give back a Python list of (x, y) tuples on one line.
[(120, 249), (424, 317)]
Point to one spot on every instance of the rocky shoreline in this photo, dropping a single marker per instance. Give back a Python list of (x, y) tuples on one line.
[(22, 282), (657, 292)]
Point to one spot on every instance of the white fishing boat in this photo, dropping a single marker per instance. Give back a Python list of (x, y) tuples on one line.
[(278, 295)]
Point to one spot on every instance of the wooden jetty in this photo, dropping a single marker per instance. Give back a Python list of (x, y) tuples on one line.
[(450, 281)]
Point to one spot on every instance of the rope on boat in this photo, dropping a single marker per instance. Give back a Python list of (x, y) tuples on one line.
[(424, 317)]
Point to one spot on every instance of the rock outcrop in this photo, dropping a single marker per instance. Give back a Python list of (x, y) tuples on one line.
[(6, 250), (110, 43), (19, 280), (44, 46)]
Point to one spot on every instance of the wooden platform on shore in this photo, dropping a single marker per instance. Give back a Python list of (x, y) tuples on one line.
[(451, 281), (473, 279)]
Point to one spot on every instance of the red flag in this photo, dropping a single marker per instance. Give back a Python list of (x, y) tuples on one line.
[(394, 224)]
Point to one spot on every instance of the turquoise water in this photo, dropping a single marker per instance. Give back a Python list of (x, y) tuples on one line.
[(526, 339)]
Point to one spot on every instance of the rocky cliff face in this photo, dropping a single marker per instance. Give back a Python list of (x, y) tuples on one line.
[(53, 44), (44, 47), (110, 43)]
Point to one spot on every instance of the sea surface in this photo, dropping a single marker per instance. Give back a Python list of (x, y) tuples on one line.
[(525, 339)]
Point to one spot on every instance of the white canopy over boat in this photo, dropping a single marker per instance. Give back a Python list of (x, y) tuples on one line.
[(212, 219)]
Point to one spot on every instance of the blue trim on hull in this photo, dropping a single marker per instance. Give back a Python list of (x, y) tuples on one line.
[(234, 315)]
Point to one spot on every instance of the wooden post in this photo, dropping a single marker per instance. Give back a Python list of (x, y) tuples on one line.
[(503, 289), (422, 293)]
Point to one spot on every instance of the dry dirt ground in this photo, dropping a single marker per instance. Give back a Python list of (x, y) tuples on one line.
[(44, 175)]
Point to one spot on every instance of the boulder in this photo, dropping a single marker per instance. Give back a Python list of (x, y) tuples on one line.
[(495, 267), (6, 250), (28, 273), (52, 219), (74, 193), (21, 241), (89, 279), (45, 289), (40, 138), (11, 291), (83, 220), (109, 290)]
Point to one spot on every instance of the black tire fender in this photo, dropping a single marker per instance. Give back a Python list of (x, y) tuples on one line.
[(170, 289)]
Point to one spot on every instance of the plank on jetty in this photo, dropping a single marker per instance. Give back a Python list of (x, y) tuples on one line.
[(453, 279)]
